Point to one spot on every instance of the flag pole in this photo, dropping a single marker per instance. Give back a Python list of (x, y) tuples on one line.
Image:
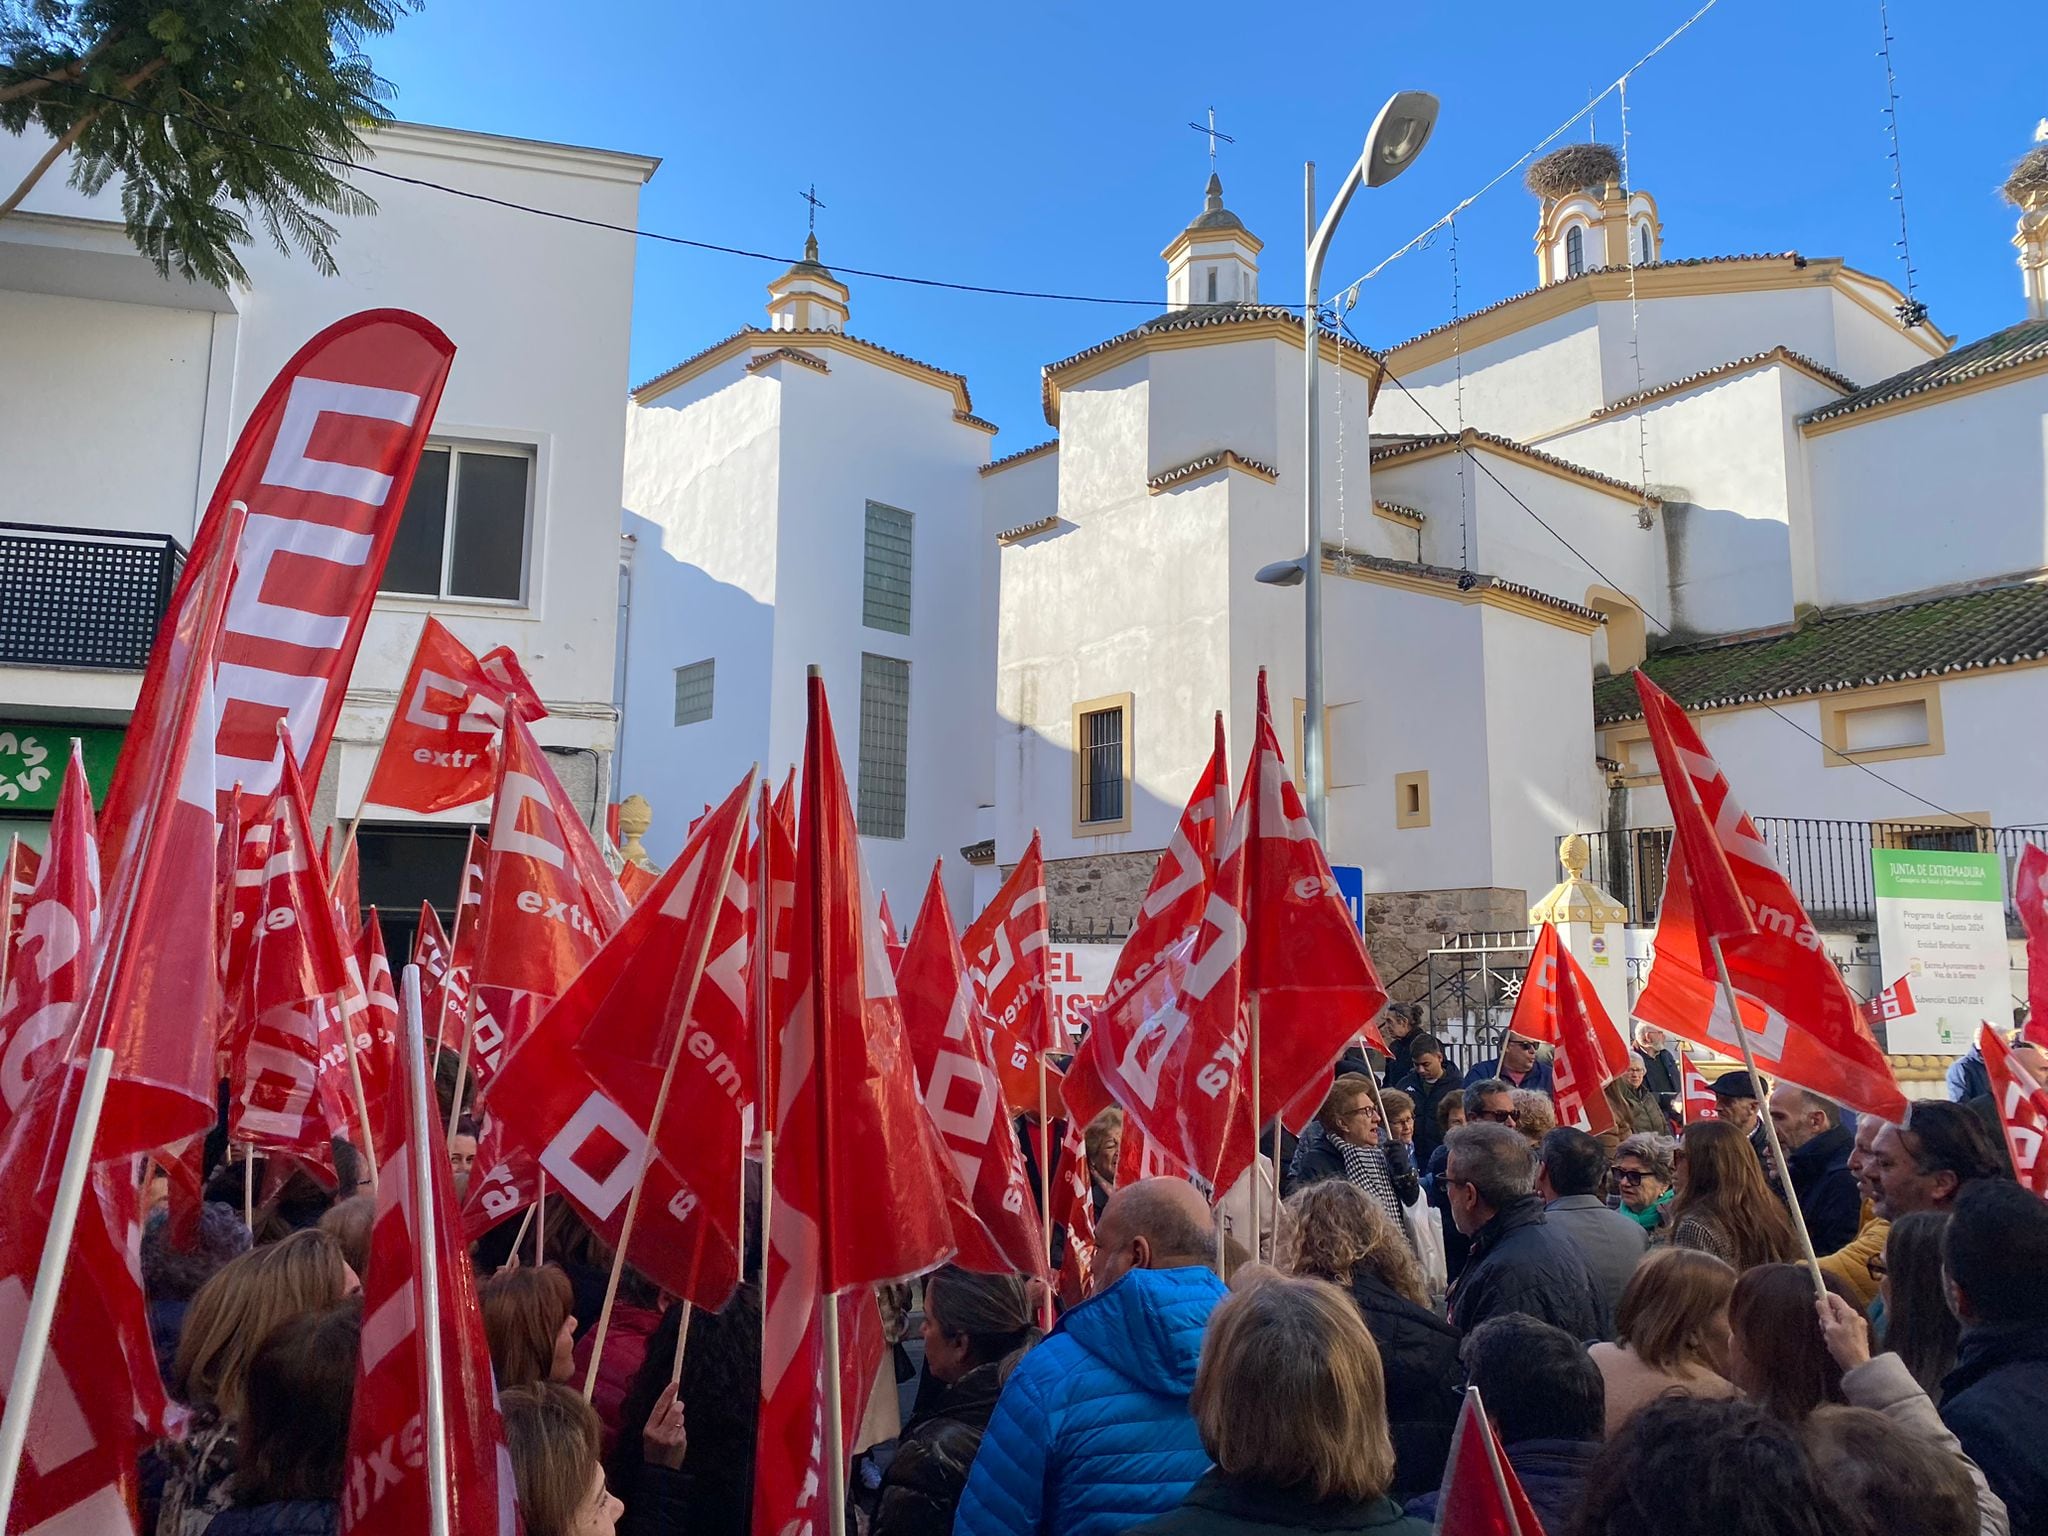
[(1778, 1162), (7, 906), (675, 1370), (540, 1222), (49, 1282), (249, 1187), (668, 1077), (1258, 1177), (429, 1255), (355, 1082), (341, 849), (1045, 1181), (519, 1237), (462, 1059), (835, 1428), (764, 965)]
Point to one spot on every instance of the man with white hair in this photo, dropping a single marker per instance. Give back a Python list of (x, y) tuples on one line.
[(1660, 1065)]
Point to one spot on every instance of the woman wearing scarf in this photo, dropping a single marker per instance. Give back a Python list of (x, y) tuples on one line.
[(1343, 1142)]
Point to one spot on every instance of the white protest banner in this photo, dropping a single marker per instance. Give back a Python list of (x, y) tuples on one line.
[(1941, 923)]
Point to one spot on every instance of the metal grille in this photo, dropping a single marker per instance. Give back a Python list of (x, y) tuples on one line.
[(693, 692), (1102, 765), (885, 586), (884, 744), (83, 597)]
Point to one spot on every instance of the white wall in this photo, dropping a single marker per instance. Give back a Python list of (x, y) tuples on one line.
[(1954, 491), (545, 374), (1542, 780)]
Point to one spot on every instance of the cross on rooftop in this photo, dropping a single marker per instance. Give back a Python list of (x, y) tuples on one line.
[(811, 197), (1214, 136)]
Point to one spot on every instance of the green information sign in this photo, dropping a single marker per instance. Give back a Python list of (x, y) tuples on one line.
[(32, 758), (1913, 874)]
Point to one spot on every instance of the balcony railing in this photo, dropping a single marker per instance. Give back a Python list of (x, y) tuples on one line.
[(87, 598), (1827, 862)]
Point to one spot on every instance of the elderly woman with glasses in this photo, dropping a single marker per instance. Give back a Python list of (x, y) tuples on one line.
[(1645, 1167), (1344, 1142)]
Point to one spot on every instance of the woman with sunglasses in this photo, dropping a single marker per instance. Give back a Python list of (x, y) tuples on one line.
[(1643, 1173)]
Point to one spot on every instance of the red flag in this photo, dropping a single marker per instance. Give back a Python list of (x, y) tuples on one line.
[(997, 1229), (46, 974), (1481, 1494), (2030, 895), (18, 875), (1137, 1031), (893, 938), (548, 902), (1800, 1020), (439, 748), (431, 954), (322, 468), (385, 1486), (636, 883), (1558, 1004), (1697, 1102), (846, 1092), (292, 1088), (449, 1013), (1006, 948), (154, 992), (1894, 1002), (2022, 1109), (1306, 963), (772, 865), (345, 880), (1073, 1197), (377, 1029), (577, 1097)]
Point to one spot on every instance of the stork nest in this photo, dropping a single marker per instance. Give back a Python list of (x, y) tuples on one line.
[(2029, 177), (1572, 169)]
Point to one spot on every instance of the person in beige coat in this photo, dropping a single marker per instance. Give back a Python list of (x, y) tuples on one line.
[(1671, 1334)]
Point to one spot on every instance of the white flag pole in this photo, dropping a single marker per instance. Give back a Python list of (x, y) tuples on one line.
[(429, 1258), (7, 906), (42, 1303), (1258, 1177), (835, 1427)]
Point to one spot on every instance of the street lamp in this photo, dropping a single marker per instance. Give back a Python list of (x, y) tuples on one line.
[(1398, 134)]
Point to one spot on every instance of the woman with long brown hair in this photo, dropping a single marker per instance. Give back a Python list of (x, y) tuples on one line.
[(530, 1321), (551, 1438), (1335, 1231), (1724, 1207), (1670, 1334), (231, 1318)]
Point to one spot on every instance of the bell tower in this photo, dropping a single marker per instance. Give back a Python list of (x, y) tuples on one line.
[(808, 297), (1215, 260)]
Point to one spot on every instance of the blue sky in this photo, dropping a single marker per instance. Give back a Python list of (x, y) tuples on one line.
[(1046, 146)]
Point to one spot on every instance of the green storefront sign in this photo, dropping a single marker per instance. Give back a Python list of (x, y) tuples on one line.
[(32, 758)]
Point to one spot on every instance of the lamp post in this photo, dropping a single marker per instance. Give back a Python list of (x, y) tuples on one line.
[(1398, 134)]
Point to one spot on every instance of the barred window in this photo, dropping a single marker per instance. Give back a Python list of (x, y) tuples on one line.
[(884, 744), (693, 692), (885, 586), (1102, 765)]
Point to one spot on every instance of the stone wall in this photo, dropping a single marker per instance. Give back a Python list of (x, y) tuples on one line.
[(1403, 926), (1100, 893)]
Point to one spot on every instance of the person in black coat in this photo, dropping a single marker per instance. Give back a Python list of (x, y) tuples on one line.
[(1817, 1148), (1337, 1233), (1518, 1262), (1995, 1251), (712, 1492), (976, 1328), (1346, 1141), (1400, 1026), (1433, 1079)]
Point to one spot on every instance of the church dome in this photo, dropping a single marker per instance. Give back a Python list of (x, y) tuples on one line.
[(1214, 215)]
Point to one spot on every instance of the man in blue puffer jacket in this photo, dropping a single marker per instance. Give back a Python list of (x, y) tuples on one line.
[(1093, 1433)]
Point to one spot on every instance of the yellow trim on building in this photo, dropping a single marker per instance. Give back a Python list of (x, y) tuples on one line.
[(1123, 703), (1836, 708), (1411, 799), (808, 341), (1483, 596), (1561, 469), (1926, 399), (1143, 343)]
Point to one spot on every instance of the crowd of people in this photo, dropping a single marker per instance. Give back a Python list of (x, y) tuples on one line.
[(1634, 1310)]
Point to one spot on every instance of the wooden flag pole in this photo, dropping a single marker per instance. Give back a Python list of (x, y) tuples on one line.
[(675, 1370), (341, 849), (697, 963), (835, 1428), (468, 1045), (7, 907), (1258, 1177), (429, 1254), (1045, 1184), (1728, 998), (249, 1187), (764, 966), (355, 1082), (540, 1222), (520, 1237), (49, 1281)]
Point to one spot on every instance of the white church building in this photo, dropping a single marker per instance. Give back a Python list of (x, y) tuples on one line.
[(1770, 479)]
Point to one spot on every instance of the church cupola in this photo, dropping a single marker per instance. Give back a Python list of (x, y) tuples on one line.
[(2027, 189), (1215, 260), (807, 297), (1588, 220)]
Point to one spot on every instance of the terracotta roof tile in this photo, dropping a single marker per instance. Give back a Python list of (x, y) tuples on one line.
[(1209, 463), (859, 343), (1021, 454), (1798, 360), (1443, 575), (2013, 347), (1859, 648), (1389, 447)]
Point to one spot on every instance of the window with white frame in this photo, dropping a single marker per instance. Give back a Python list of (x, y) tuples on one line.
[(1574, 250), (885, 584), (693, 691), (464, 530), (884, 745)]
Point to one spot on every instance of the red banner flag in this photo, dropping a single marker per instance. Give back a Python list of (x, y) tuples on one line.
[(446, 1016), (771, 872), (1136, 1030), (846, 1092), (1559, 1004), (1481, 1494), (18, 874), (377, 1028), (2022, 1109), (323, 467), (1697, 1101), (2030, 895), (47, 973), (430, 952), (665, 987), (345, 880), (1007, 947), (439, 749), (997, 1229), (549, 903), (1801, 1022), (385, 1485), (1073, 1206), (893, 937), (1894, 1002), (291, 1079), (1306, 965)]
